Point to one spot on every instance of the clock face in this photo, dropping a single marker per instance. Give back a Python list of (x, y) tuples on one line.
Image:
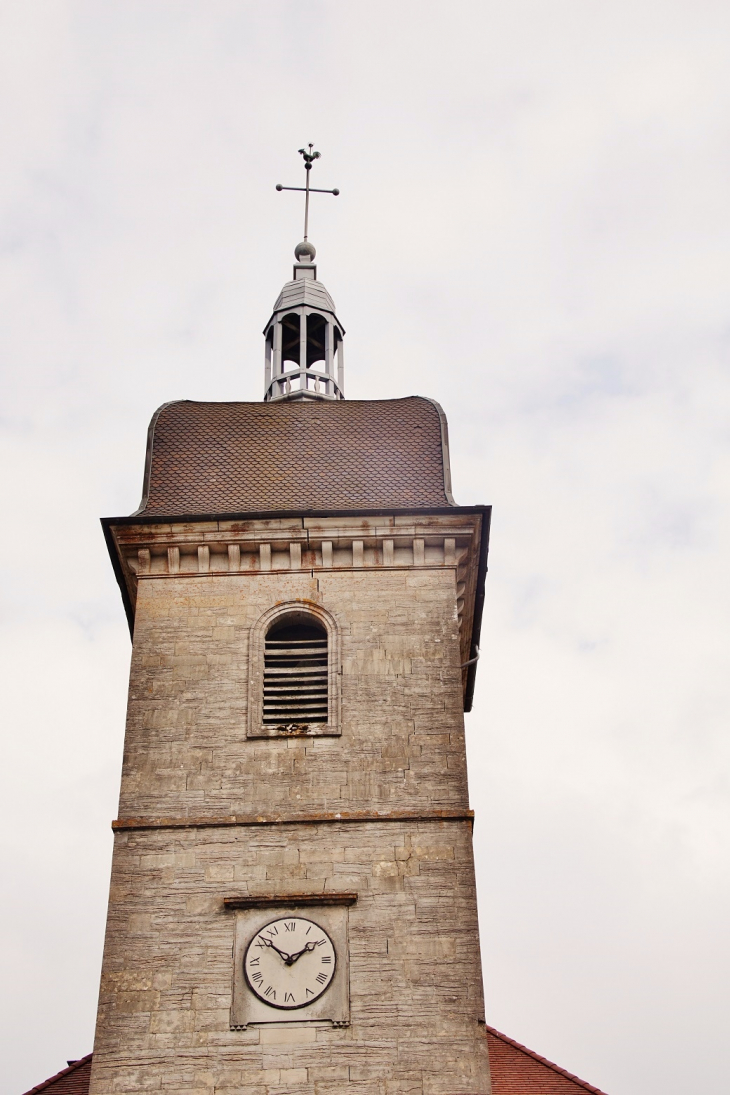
[(290, 962)]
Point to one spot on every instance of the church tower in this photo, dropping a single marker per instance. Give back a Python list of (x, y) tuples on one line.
[(292, 907)]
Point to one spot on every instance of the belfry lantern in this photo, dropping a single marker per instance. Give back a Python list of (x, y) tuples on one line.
[(304, 352)]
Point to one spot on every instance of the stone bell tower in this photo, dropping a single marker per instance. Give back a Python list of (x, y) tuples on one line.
[(292, 905)]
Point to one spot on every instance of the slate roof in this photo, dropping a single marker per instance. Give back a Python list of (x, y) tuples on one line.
[(515, 1071), (234, 458)]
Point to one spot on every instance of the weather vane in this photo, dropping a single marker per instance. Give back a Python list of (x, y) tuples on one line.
[(309, 158)]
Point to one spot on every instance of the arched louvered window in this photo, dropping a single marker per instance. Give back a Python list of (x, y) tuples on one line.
[(296, 675), (295, 672)]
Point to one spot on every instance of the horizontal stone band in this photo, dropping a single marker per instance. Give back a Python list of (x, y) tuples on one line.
[(135, 823), (247, 901)]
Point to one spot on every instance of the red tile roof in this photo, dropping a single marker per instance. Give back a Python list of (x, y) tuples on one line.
[(516, 1070), (229, 458), (73, 1080)]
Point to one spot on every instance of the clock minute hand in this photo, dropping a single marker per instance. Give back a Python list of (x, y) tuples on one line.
[(307, 947), (283, 954)]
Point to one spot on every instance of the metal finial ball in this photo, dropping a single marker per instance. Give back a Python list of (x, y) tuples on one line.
[(279, 186), (335, 192), (305, 252)]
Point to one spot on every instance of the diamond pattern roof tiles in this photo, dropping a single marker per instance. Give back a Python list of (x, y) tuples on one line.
[(226, 458)]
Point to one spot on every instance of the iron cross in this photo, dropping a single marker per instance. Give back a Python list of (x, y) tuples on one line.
[(309, 158)]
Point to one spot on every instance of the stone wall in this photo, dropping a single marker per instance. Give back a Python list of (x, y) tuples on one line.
[(196, 808), (415, 978), (402, 740)]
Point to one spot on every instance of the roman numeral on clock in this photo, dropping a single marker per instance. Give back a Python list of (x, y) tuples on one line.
[(270, 991), (257, 977), (287, 997), (326, 960), (321, 977), (289, 925)]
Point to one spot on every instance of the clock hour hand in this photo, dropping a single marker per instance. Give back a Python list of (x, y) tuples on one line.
[(293, 957), (287, 957)]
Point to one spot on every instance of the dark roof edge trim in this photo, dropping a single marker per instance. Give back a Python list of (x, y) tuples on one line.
[(60, 1075), (543, 1060), (138, 518), (148, 453), (118, 573), (476, 630), (444, 448)]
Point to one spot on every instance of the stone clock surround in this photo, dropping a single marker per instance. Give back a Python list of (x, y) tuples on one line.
[(251, 917)]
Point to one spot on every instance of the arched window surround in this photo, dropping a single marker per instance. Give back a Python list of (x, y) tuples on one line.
[(298, 611)]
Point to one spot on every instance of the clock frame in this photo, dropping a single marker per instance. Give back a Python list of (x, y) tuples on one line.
[(330, 913)]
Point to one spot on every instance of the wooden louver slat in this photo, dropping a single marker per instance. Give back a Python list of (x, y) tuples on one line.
[(295, 681)]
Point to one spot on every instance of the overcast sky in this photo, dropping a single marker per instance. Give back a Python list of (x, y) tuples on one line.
[(533, 229)]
